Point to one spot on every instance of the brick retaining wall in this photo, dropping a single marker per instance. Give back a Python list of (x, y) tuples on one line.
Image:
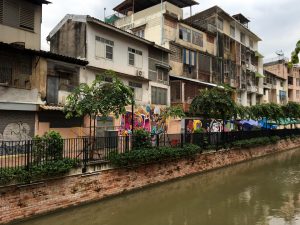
[(19, 202)]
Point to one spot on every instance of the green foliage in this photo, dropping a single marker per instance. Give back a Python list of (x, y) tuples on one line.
[(37, 172), (214, 103), (295, 55), (101, 97), (255, 142), (271, 111), (243, 112), (144, 156), (142, 139), (50, 145), (173, 111), (199, 130), (291, 110)]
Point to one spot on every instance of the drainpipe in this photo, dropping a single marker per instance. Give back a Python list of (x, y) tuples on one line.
[(162, 23)]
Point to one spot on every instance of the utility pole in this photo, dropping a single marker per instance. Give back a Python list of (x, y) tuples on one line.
[(104, 14)]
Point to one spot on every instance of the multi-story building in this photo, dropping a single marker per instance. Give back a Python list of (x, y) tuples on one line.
[(277, 72), (237, 48), (294, 84), (139, 63), (208, 49), (275, 88), (30, 79)]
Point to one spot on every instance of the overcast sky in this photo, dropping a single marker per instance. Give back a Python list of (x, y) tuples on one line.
[(277, 22)]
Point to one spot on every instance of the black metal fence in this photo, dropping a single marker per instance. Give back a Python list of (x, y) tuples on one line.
[(17, 154)]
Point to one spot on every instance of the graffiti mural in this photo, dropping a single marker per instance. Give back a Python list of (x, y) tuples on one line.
[(215, 126), (16, 132), (212, 125), (148, 118), (192, 125)]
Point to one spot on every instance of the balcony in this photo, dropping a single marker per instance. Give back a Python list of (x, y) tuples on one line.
[(252, 89)]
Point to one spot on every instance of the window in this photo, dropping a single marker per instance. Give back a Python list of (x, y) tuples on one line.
[(17, 14), (104, 48), (159, 96), (140, 33), (138, 90), (227, 43), (185, 34), (135, 58), (220, 24), (298, 82), (197, 39), (232, 31), (189, 57), (251, 43), (162, 75), (109, 52), (297, 94), (243, 38), (15, 71), (131, 59)]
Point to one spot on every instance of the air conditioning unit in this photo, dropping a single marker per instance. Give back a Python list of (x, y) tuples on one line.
[(140, 73)]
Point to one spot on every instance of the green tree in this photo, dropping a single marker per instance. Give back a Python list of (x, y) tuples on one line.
[(99, 98), (291, 111), (214, 103), (270, 111), (295, 55)]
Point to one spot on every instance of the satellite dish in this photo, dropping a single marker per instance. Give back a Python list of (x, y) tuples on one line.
[(280, 53)]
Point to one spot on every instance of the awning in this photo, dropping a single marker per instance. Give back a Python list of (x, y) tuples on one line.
[(257, 54), (196, 81), (52, 107), (259, 75)]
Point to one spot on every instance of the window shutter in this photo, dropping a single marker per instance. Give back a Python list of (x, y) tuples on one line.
[(27, 17), (99, 49), (1, 11), (139, 60), (10, 13)]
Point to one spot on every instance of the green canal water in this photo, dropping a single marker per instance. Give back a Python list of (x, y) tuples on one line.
[(261, 192)]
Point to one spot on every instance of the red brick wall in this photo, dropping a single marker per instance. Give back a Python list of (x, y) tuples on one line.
[(22, 202)]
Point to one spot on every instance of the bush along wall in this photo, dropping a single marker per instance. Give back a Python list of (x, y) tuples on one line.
[(152, 155)]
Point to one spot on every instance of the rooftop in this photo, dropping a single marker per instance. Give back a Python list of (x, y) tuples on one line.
[(241, 18), (39, 2), (89, 19), (139, 5), (203, 15), (49, 55)]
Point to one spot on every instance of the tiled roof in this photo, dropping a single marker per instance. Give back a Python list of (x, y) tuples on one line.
[(45, 54)]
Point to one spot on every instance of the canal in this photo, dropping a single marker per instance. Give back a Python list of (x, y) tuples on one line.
[(261, 192)]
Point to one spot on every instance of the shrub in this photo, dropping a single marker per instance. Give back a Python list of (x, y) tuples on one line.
[(144, 156), (254, 142), (49, 145), (37, 172), (141, 139)]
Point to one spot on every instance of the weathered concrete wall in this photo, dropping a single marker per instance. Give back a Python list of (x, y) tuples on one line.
[(70, 40), (19, 202)]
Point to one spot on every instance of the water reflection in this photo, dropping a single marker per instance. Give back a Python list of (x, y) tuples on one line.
[(262, 192)]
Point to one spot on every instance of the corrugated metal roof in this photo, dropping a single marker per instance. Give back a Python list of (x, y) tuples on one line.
[(144, 4), (41, 53), (52, 107)]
